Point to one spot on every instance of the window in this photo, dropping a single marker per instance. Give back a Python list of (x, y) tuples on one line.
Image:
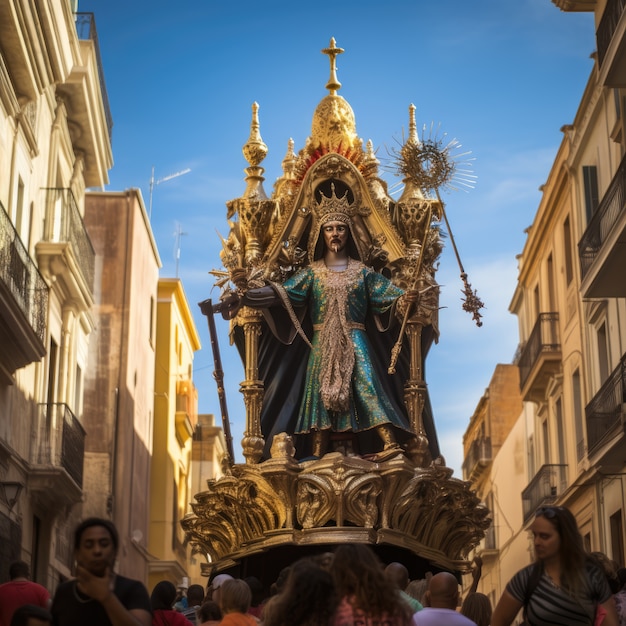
[(590, 183), (78, 392), (551, 285), (567, 243), (19, 209), (53, 355), (578, 415), (531, 456), (536, 301), (546, 441), (560, 432), (617, 537), (603, 353)]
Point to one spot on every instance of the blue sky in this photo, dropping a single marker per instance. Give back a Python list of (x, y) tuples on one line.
[(501, 77)]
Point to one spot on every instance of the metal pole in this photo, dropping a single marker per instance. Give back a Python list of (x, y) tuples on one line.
[(206, 307)]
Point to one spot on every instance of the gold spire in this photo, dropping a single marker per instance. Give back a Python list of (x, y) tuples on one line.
[(333, 84), (254, 150)]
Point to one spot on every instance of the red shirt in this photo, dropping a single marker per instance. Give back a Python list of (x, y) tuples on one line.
[(17, 593)]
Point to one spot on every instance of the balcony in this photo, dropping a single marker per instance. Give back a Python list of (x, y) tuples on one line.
[(57, 455), (602, 248), (547, 485), (86, 31), (66, 252), (186, 410), (540, 359), (606, 413), (23, 304), (478, 458), (611, 44)]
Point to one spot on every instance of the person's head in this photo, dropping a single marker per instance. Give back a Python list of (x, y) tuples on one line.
[(308, 597), (235, 596), (19, 569), (556, 536), (31, 615), (256, 587), (417, 589), (214, 591), (195, 595), (442, 592), (209, 611), (163, 596), (357, 571), (398, 574), (609, 569), (477, 607), (95, 545)]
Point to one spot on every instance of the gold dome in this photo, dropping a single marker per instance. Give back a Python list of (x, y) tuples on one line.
[(334, 124)]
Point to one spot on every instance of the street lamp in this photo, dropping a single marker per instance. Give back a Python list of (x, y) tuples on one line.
[(10, 493)]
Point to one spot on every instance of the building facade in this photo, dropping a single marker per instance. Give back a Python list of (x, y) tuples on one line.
[(175, 421), (119, 381), (55, 141), (570, 302)]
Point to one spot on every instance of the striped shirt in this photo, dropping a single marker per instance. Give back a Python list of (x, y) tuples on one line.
[(549, 605)]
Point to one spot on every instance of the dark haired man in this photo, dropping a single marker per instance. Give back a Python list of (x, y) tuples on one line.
[(98, 596), (20, 590)]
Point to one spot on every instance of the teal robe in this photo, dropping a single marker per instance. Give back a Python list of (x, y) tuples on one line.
[(342, 391)]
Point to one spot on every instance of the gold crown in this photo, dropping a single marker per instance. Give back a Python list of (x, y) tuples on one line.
[(334, 209)]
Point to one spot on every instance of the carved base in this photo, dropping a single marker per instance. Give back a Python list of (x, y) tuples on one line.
[(333, 500)]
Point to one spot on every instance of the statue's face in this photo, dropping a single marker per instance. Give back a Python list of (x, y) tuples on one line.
[(335, 235)]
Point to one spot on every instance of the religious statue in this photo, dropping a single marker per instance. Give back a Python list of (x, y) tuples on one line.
[(342, 390)]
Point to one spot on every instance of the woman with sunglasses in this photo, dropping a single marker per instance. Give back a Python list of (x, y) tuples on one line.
[(563, 587)]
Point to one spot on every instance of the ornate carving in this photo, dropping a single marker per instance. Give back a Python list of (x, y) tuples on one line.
[(427, 510)]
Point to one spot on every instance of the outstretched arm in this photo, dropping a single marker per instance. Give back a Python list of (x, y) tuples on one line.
[(506, 610)]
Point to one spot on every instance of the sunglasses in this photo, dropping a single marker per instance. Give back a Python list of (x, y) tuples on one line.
[(548, 512)]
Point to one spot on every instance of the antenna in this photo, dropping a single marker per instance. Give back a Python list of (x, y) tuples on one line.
[(178, 234), (154, 183)]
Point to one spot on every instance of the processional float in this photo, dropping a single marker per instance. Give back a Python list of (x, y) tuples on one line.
[(283, 502)]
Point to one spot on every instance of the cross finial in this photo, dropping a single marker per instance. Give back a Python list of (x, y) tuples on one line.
[(333, 84)]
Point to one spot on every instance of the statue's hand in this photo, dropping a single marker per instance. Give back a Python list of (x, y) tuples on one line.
[(412, 296), (229, 305)]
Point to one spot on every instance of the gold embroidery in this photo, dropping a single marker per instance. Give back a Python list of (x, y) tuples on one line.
[(335, 340)]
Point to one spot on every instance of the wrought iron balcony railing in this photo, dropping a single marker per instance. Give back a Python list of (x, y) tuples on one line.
[(612, 205), (607, 27), (478, 456), (544, 339), (22, 278), (59, 440), (546, 486), (65, 224), (607, 406), (86, 30)]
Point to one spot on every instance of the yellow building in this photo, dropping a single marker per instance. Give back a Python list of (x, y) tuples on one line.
[(55, 140), (175, 419), (568, 440)]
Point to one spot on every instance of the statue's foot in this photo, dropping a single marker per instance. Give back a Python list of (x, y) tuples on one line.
[(391, 450)]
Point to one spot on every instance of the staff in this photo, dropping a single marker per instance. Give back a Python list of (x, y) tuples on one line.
[(206, 306)]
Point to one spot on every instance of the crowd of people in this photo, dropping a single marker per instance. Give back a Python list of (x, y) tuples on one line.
[(348, 587)]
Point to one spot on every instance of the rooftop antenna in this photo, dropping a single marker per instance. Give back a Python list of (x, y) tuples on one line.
[(154, 183), (178, 234)]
